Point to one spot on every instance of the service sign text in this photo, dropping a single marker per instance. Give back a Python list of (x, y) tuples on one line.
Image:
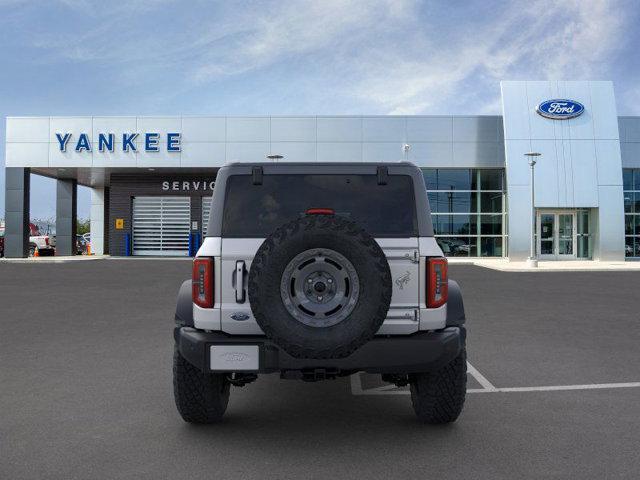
[(187, 186)]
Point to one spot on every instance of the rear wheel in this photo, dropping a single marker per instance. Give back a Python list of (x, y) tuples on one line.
[(200, 397), (438, 397)]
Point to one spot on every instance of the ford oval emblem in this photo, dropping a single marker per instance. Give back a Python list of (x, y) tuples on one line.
[(234, 357), (239, 316), (560, 109)]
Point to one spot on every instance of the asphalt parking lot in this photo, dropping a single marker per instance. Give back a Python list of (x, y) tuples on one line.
[(85, 387)]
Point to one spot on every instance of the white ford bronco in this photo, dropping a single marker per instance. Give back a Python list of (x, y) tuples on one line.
[(317, 271)]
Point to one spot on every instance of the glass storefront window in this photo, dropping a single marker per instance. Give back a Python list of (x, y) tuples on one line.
[(629, 224), (468, 211), (631, 181), (632, 247), (583, 247), (458, 246), (584, 235), (491, 247), (490, 224), (456, 179), (491, 179), (627, 179), (455, 224), (430, 178), (628, 202), (457, 202), (491, 202)]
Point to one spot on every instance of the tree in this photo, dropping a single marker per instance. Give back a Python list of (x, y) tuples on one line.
[(84, 226)]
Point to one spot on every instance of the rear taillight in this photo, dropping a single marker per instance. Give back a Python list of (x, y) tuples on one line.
[(202, 282), (46, 241), (437, 282)]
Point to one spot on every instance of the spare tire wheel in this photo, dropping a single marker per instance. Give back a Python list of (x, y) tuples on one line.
[(320, 287)]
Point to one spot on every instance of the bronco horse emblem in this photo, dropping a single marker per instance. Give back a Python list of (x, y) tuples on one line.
[(403, 280)]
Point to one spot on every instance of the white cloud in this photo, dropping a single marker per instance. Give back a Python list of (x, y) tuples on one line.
[(393, 56), (294, 29), (542, 40)]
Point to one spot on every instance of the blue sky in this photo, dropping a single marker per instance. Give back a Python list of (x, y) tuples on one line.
[(78, 57)]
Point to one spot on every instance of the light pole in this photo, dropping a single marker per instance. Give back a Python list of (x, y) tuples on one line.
[(405, 150), (532, 261)]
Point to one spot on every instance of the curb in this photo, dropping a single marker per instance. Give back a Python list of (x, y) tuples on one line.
[(39, 260)]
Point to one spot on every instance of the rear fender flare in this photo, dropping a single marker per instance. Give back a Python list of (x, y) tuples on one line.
[(184, 306), (455, 306)]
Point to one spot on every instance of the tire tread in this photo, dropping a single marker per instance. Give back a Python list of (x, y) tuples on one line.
[(438, 397), (200, 397)]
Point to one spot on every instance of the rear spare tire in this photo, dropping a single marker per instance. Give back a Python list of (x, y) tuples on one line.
[(320, 287)]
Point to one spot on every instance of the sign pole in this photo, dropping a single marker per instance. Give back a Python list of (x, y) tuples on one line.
[(532, 261)]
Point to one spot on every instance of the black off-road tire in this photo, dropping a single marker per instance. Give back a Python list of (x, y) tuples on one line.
[(438, 397), (317, 232), (200, 397)]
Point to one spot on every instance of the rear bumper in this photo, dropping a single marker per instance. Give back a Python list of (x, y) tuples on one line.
[(420, 352)]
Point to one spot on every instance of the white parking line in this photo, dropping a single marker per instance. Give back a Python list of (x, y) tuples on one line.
[(555, 388), (487, 386), (481, 379)]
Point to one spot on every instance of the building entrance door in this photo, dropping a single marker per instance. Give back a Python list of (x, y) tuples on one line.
[(556, 239)]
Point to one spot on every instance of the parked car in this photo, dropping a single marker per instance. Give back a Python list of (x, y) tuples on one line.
[(318, 271), (81, 245), (453, 247), (43, 243)]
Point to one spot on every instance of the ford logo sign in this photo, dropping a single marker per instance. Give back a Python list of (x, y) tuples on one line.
[(560, 109), (239, 316)]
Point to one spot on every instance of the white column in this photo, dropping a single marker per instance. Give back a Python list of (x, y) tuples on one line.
[(610, 224), (97, 221)]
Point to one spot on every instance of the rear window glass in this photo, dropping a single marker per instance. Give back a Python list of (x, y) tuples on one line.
[(257, 210)]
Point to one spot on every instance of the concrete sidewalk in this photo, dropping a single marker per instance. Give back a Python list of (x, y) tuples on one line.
[(500, 264), (504, 265), (80, 258), (54, 259)]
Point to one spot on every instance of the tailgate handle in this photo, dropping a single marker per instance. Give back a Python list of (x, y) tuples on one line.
[(240, 271)]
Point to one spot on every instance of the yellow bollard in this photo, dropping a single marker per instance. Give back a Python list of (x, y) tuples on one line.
[(88, 248)]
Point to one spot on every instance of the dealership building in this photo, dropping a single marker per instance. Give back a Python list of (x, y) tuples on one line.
[(151, 178)]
